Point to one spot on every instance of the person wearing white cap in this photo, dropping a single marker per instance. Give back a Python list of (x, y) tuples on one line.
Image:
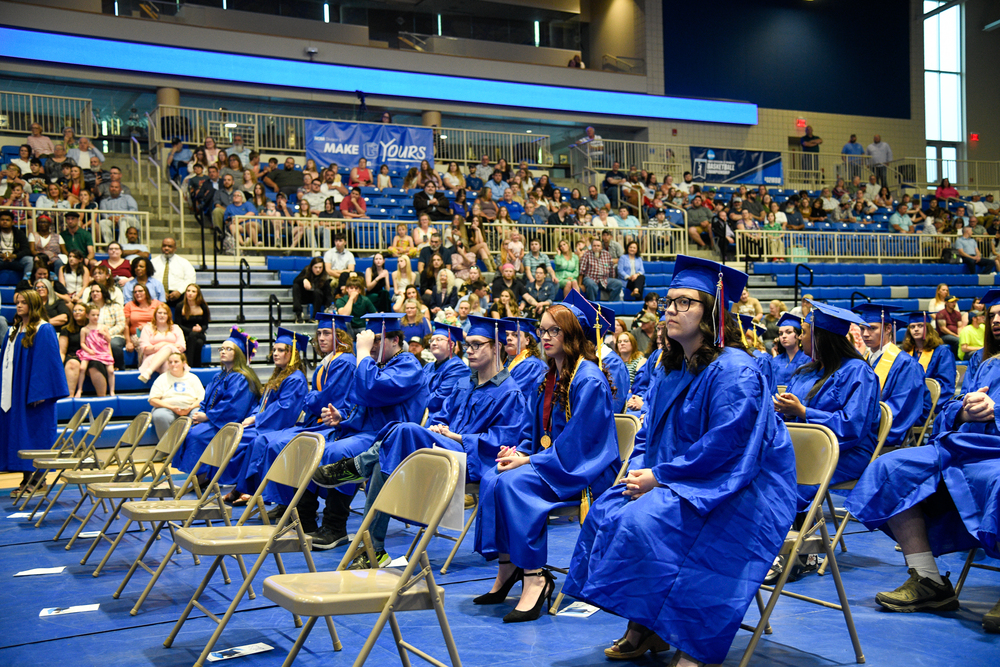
[(713, 449)]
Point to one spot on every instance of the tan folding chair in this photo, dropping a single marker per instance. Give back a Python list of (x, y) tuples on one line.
[(161, 484), (959, 378), (84, 458), (816, 455), (382, 591), (294, 467), (63, 446), (125, 471), (916, 435), (969, 564), (627, 427), (207, 507), (840, 523)]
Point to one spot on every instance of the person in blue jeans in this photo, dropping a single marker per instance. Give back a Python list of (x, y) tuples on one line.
[(597, 272)]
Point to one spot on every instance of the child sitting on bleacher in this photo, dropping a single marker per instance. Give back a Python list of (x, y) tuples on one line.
[(402, 243), (95, 347)]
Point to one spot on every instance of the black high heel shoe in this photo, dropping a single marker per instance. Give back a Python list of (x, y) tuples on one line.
[(536, 611), (648, 641), (499, 596)]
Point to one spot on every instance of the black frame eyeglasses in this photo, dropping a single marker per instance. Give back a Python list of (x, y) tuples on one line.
[(682, 303)]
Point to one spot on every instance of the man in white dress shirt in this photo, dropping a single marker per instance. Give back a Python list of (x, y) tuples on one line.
[(881, 155), (175, 272)]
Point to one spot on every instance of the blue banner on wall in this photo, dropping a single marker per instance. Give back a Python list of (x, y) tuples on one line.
[(346, 143), (722, 165)]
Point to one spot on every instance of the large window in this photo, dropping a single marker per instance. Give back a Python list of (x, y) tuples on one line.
[(943, 93)]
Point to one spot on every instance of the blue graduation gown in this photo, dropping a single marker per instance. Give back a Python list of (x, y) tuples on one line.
[(941, 367), (528, 373), (727, 473), (441, 379), (38, 377), (965, 459), (331, 385), (485, 416), (514, 506), (643, 376), (393, 393), (228, 398), (783, 367), (970, 374), (907, 397), (763, 360), (847, 404), (278, 410), (619, 375)]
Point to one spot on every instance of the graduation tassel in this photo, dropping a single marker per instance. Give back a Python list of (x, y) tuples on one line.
[(381, 343), (496, 346), (720, 323), (600, 343)]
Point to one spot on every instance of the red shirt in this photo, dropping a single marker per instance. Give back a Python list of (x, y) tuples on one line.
[(347, 207), (124, 269), (950, 319)]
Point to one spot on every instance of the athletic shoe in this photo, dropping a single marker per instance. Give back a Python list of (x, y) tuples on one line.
[(363, 563), (337, 474), (920, 594), (991, 621), (325, 538), (275, 513)]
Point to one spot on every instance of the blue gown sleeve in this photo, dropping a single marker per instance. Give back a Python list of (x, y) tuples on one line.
[(445, 381), (856, 388), (942, 369), (336, 387), (48, 379), (384, 387), (723, 459), (235, 403), (975, 363), (283, 407), (587, 445), (907, 397), (490, 431)]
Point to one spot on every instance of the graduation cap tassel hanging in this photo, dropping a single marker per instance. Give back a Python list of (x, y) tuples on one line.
[(381, 343), (720, 327)]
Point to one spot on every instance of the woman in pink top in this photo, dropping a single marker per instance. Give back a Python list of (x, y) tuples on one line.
[(361, 175), (160, 338), (138, 313), (945, 190)]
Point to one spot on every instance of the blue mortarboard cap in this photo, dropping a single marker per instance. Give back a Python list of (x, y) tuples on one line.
[(246, 343), (703, 275), (789, 320), (991, 298), (524, 325), (589, 311), (454, 333), (919, 317), (487, 327), (332, 320), (292, 339), (875, 312), (378, 322), (833, 319), (746, 323)]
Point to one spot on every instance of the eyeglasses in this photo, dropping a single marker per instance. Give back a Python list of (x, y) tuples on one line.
[(552, 332), (475, 347), (682, 303)]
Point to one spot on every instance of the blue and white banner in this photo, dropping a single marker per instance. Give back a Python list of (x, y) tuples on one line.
[(346, 143), (723, 165)]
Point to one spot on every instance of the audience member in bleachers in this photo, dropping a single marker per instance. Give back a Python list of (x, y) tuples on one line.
[(444, 295), (775, 309), (174, 394), (354, 302), (193, 317), (112, 318), (900, 376), (231, 396), (245, 233), (311, 169), (628, 349), (361, 175), (940, 498), (119, 267), (102, 276), (422, 232), (312, 285), (402, 278), (748, 305), (339, 262), (143, 273), (949, 318), (55, 162), (280, 402), (138, 313), (15, 249), (923, 344), (286, 180), (505, 305), (429, 202), (74, 276), (384, 181), (524, 361), (789, 356), (632, 272), (411, 178), (946, 192), (378, 284), (431, 262), (33, 382), (972, 335), (69, 345), (175, 272), (157, 340), (23, 159), (354, 207), (122, 203), (540, 293), (597, 272), (58, 312), (507, 278), (19, 198), (95, 351), (402, 243), (968, 251), (40, 271), (211, 150), (567, 268), (427, 175)]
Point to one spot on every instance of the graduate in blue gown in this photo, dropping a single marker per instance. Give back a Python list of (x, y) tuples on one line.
[(523, 361), (388, 387), (477, 420), (567, 450), (753, 335), (331, 385), (969, 380), (279, 408), (788, 344), (647, 376), (839, 390), (231, 396), (443, 376), (602, 319), (945, 496), (33, 380), (923, 343), (901, 378), (681, 546)]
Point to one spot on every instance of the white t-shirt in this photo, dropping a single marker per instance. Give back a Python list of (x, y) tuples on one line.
[(338, 261), (182, 393), (6, 242)]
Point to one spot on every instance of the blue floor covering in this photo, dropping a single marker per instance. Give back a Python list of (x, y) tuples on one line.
[(804, 635)]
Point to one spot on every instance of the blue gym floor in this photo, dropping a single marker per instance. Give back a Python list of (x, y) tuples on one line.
[(804, 635)]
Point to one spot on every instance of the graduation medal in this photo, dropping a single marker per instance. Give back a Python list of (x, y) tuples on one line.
[(545, 441)]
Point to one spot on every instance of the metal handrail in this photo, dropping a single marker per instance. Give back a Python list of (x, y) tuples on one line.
[(855, 294), (272, 322), (50, 111), (88, 218), (622, 63), (244, 264), (799, 281)]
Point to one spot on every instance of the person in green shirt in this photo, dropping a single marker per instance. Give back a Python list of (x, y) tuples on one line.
[(355, 303), (971, 337), (76, 238)]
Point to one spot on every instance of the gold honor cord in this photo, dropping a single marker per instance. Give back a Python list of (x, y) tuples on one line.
[(599, 345)]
